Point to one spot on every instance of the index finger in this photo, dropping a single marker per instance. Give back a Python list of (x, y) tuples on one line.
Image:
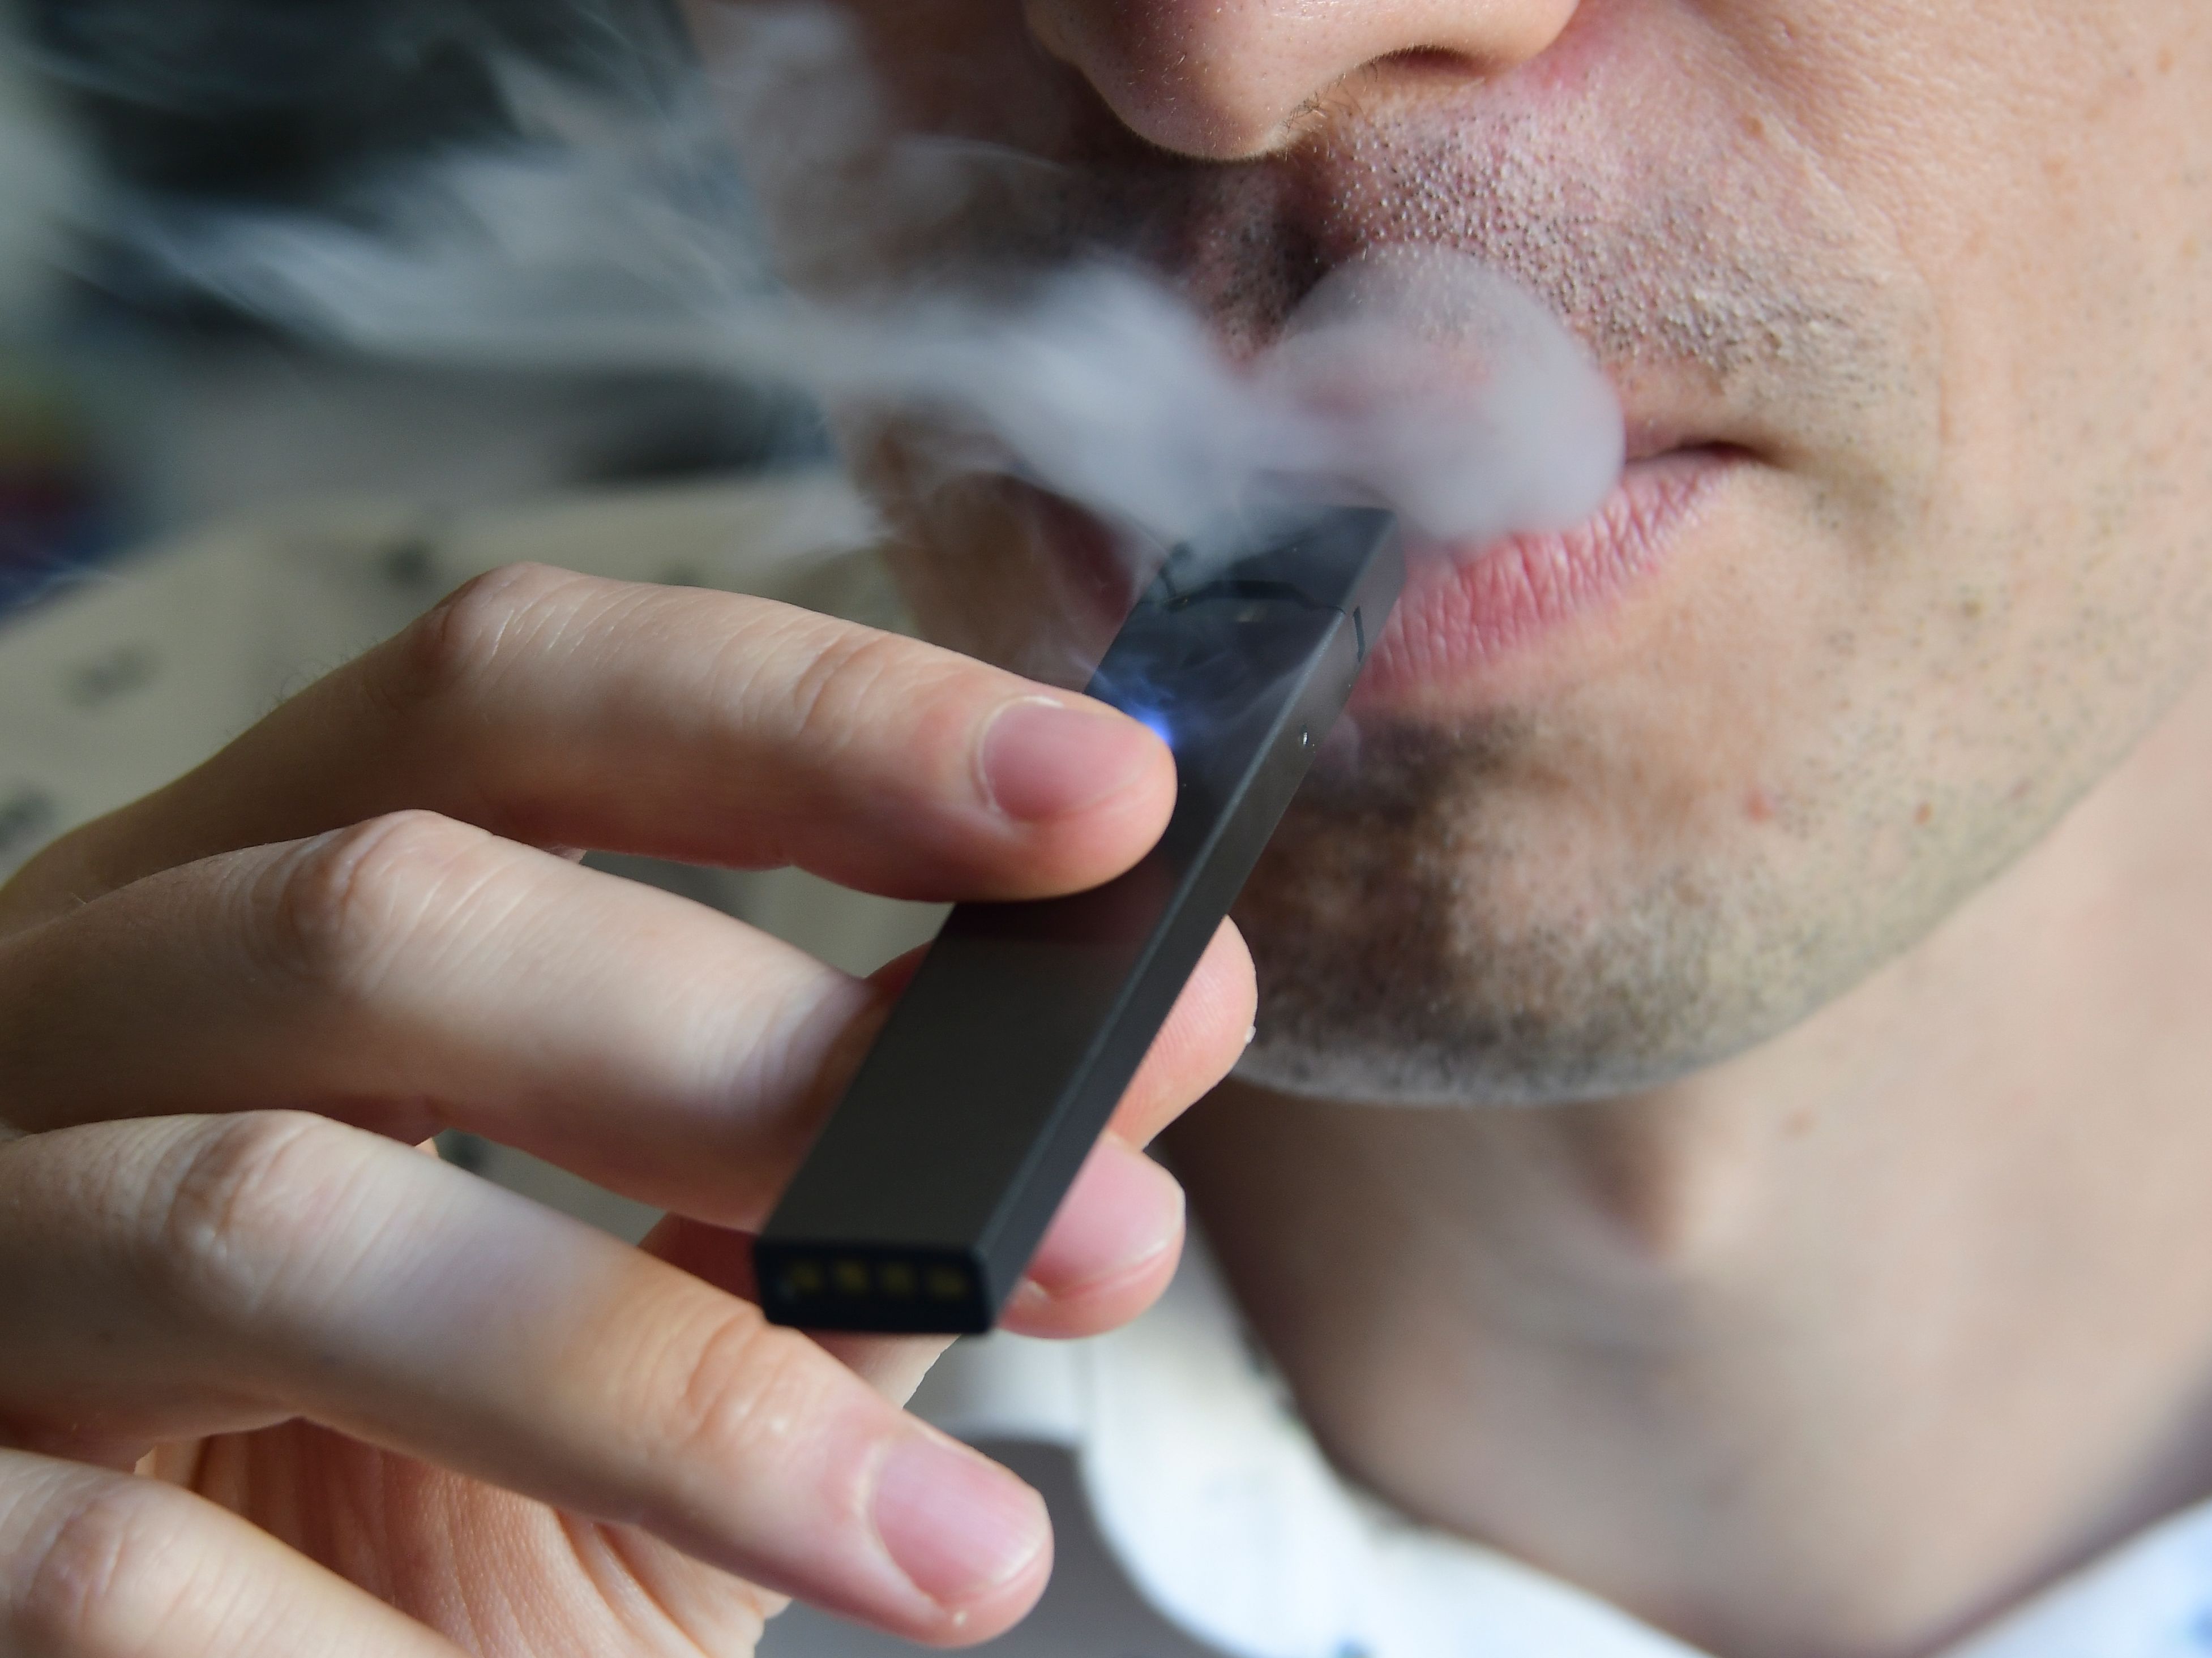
[(564, 710)]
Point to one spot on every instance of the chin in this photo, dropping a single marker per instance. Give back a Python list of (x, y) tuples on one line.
[(1446, 924)]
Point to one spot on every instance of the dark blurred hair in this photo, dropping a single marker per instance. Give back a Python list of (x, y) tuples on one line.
[(291, 101)]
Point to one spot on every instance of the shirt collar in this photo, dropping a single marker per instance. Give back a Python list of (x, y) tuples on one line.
[(1226, 1517)]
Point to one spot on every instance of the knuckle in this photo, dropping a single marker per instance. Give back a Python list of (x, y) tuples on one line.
[(243, 1203), (344, 905), (744, 1391), (107, 1564), (856, 676), (460, 642)]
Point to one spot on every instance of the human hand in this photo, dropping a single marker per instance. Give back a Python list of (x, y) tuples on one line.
[(396, 1410)]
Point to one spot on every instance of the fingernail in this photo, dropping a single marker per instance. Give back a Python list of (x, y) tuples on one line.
[(957, 1525), (1044, 759)]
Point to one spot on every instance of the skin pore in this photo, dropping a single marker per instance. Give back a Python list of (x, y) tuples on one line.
[(1839, 895)]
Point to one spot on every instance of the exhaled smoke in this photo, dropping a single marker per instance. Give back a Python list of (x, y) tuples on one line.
[(628, 233)]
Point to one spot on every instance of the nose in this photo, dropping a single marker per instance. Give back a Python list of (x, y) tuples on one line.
[(1227, 79)]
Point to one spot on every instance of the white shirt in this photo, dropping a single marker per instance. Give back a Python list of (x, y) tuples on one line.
[(1196, 1515)]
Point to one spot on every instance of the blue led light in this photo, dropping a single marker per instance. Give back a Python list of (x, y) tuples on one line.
[(1155, 722)]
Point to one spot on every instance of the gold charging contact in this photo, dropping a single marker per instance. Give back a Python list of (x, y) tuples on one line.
[(803, 1279), (850, 1277), (948, 1284)]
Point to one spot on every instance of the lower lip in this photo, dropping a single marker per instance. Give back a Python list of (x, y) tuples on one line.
[(1468, 610)]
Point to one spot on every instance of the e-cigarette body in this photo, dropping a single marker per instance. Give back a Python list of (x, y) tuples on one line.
[(919, 1203)]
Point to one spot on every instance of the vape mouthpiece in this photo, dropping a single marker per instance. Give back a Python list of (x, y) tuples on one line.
[(919, 1205)]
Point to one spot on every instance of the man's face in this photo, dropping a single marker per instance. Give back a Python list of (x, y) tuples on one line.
[(1909, 308)]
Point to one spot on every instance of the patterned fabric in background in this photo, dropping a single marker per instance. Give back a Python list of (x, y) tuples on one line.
[(57, 512)]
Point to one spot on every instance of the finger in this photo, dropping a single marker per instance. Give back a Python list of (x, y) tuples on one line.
[(504, 1574), (1204, 1035), (339, 1276), (1110, 1252), (558, 709), (416, 974), (96, 1565)]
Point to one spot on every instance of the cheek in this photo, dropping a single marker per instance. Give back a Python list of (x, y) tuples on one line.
[(2046, 168), (2058, 196)]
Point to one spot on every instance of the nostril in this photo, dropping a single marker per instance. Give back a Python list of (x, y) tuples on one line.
[(1412, 67), (1435, 59)]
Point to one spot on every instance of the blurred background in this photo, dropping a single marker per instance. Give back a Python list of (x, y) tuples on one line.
[(159, 369), (309, 309)]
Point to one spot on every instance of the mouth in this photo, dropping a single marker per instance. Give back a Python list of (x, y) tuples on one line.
[(1472, 615)]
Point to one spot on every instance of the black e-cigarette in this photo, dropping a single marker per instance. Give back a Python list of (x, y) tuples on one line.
[(919, 1203)]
